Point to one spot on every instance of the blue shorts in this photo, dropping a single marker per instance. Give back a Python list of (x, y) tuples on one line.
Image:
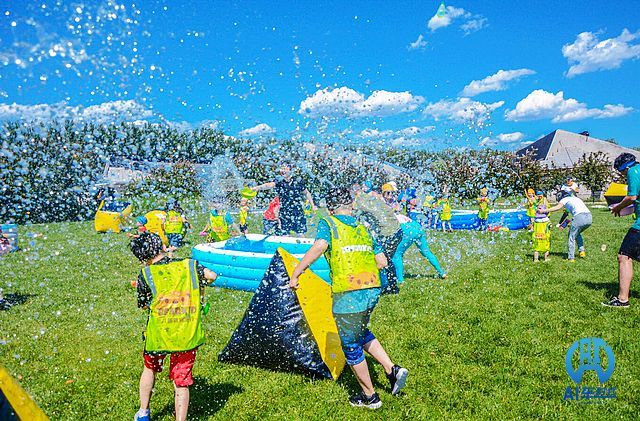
[(353, 329), (175, 240)]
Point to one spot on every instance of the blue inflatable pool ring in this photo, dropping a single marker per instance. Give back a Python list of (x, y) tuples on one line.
[(514, 219), (241, 262)]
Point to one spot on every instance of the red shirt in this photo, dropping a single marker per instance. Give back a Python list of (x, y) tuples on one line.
[(270, 213)]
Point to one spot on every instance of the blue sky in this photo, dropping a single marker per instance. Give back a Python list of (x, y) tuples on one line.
[(361, 71)]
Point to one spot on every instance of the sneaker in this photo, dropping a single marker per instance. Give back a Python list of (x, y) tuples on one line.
[(615, 302), (571, 260), (139, 417), (397, 378), (363, 401), (582, 254)]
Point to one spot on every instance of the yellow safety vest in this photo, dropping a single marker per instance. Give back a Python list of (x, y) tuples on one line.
[(541, 236), (351, 258), (219, 228), (174, 223), (155, 220), (483, 203), (446, 211), (175, 314)]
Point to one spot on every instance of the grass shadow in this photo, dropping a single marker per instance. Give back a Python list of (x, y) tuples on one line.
[(205, 398), (610, 288), (11, 300), (348, 379)]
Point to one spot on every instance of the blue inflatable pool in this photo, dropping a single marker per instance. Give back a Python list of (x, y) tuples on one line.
[(241, 262), (514, 219)]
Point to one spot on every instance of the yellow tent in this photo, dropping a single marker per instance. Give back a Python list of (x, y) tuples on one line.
[(111, 216), (15, 403), (615, 193)]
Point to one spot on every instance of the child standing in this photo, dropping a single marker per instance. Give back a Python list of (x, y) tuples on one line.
[(176, 225), (354, 260), (243, 215), (483, 209), (172, 291), (445, 213), (271, 218), (541, 235)]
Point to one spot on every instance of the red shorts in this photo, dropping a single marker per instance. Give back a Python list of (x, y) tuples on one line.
[(180, 368)]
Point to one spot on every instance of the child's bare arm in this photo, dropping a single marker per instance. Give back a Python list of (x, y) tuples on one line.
[(210, 275)]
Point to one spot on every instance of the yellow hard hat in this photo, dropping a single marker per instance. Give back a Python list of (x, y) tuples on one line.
[(387, 187)]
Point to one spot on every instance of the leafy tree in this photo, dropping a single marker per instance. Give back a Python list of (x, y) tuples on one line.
[(594, 170)]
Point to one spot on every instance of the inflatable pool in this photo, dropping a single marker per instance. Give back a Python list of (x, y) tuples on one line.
[(514, 219), (241, 262)]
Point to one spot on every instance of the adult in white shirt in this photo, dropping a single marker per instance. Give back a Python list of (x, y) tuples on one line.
[(581, 220)]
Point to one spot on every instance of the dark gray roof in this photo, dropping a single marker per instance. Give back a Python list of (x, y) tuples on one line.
[(562, 149)]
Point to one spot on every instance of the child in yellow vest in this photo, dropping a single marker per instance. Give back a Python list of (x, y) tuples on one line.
[(541, 235), (354, 261), (172, 291), (220, 225), (445, 213), (243, 215), (176, 225), (483, 209)]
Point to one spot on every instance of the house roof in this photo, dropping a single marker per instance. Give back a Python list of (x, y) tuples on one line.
[(562, 149)]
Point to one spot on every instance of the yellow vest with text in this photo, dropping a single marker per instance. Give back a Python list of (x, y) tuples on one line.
[(175, 315), (351, 258), (174, 223), (541, 236), (219, 227)]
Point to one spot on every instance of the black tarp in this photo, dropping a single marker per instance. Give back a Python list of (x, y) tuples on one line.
[(273, 333)]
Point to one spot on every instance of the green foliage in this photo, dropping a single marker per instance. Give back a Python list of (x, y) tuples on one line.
[(178, 182), (594, 170)]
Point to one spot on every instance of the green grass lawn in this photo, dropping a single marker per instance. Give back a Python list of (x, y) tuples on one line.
[(488, 342)]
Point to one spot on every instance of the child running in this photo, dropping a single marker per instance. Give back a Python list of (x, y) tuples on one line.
[(354, 260), (412, 233), (171, 290)]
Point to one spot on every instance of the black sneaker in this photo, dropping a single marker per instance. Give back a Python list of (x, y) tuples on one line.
[(615, 302), (397, 378), (364, 401)]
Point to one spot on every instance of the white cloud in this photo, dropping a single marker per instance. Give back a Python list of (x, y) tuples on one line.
[(461, 110), (107, 112), (502, 138), (453, 13), (345, 102), (541, 104), (587, 54), (495, 82), (411, 131), (474, 25), (418, 44), (470, 23), (261, 129)]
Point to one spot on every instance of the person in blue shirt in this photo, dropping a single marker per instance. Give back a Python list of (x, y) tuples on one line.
[(354, 261), (627, 165)]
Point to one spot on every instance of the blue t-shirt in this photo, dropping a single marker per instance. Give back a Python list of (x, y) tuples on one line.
[(633, 182), (351, 301)]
